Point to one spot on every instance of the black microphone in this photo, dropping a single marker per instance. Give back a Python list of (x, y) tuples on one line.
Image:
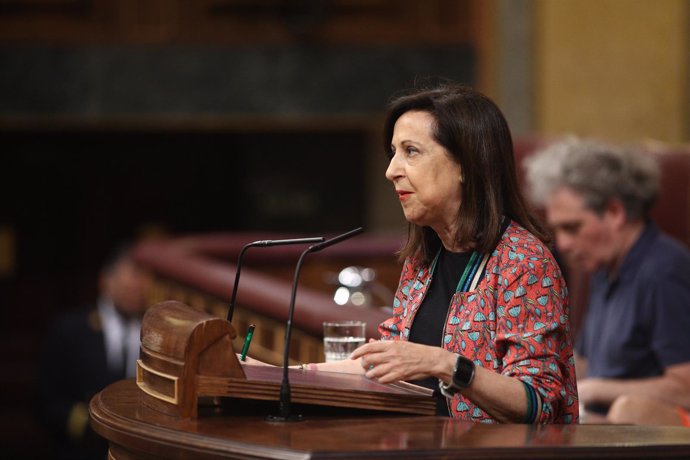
[(285, 396), (334, 240), (263, 244)]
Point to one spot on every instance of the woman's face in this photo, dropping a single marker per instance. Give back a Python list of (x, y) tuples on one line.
[(426, 178)]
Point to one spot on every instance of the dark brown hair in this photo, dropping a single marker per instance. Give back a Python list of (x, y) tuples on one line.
[(473, 130)]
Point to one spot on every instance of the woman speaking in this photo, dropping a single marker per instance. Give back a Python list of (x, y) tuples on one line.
[(482, 307), (481, 310)]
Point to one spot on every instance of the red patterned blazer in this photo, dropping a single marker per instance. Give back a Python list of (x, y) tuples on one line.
[(515, 322)]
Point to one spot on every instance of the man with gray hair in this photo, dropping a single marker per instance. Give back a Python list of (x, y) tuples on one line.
[(633, 349)]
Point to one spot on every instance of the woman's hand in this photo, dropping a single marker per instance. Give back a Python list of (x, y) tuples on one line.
[(392, 360)]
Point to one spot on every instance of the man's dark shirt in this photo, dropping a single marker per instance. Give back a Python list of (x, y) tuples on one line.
[(639, 323)]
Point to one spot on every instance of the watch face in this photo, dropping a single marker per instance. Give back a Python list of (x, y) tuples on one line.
[(464, 371)]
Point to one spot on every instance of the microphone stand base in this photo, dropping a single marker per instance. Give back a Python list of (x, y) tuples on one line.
[(284, 418)]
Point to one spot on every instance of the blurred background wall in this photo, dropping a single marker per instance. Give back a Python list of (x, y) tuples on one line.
[(613, 69), (122, 119)]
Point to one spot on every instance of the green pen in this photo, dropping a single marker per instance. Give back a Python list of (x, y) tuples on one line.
[(247, 342)]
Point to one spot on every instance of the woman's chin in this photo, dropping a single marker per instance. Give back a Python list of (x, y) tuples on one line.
[(413, 217)]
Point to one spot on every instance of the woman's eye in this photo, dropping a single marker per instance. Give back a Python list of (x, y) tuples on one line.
[(411, 151)]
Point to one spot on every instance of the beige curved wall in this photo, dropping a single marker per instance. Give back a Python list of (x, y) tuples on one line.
[(614, 69)]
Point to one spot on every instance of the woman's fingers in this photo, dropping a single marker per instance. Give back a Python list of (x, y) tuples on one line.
[(396, 360), (371, 347), (384, 373), (380, 360)]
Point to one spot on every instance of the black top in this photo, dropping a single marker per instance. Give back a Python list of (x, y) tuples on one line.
[(429, 322)]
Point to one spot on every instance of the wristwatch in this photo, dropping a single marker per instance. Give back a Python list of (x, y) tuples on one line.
[(463, 374)]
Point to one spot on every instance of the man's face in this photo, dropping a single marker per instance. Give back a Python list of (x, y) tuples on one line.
[(128, 286), (586, 239)]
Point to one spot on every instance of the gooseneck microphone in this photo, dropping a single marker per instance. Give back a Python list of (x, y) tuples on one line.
[(263, 244), (285, 393)]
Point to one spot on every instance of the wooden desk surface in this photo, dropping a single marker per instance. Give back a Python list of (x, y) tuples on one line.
[(135, 431)]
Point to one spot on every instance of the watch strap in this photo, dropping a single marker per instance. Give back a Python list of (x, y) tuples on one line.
[(461, 378)]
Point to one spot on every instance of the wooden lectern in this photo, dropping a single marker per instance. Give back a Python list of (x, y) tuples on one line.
[(187, 355)]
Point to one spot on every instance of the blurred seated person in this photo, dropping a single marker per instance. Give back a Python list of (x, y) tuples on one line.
[(634, 345), (88, 350), (481, 310), (641, 410)]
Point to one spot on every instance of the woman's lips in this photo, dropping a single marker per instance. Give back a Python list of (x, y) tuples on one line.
[(403, 194)]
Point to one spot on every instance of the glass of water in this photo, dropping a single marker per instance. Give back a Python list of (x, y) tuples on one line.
[(340, 338)]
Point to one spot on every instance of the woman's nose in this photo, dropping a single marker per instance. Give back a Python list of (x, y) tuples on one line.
[(393, 171)]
